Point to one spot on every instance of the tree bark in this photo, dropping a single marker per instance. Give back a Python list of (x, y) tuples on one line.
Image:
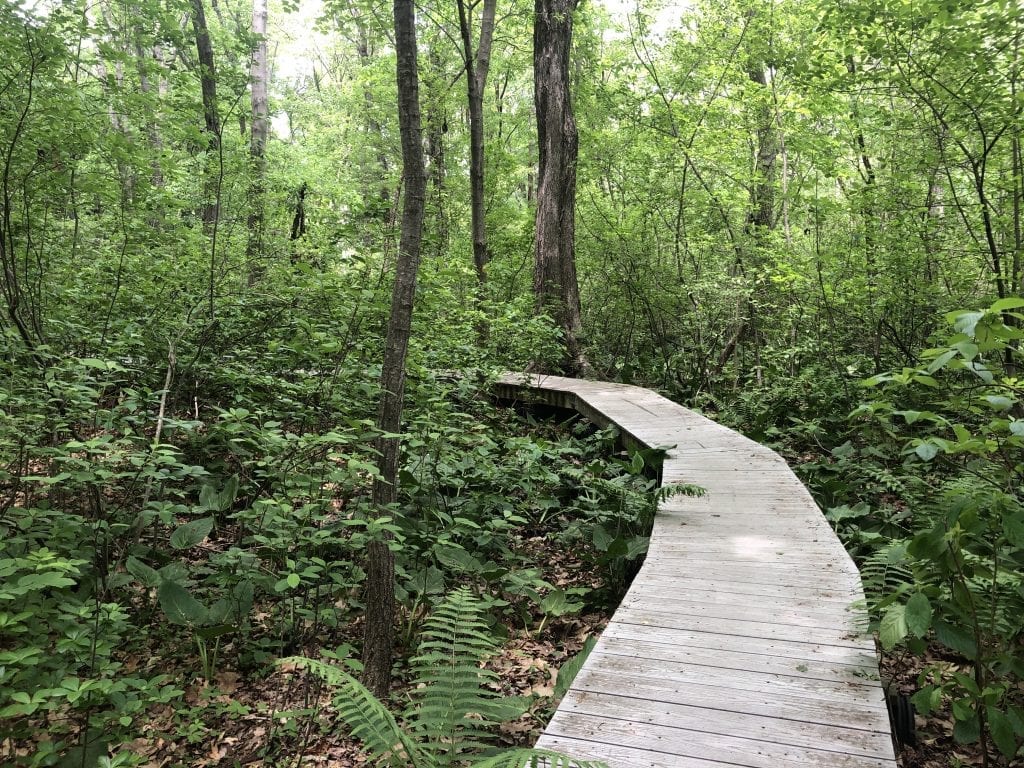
[(379, 594), (259, 132), (555, 286), (209, 210), (477, 66)]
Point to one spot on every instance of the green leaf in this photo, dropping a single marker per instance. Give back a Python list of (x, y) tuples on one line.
[(1013, 529), (927, 451), (1002, 731), (457, 558), (568, 671), (967, 731), (211, 633), (956, 638), (918, 614), (293, 580), (1011, 302), (558, 604), (999, 402), (941, 361), (893, 627), (601, 538), (190, 534), (180, 606), (147, 576)]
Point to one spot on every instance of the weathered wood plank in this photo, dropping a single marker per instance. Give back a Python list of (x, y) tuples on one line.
[(740, 641), (731, 659), (866, 743), (681, 742)]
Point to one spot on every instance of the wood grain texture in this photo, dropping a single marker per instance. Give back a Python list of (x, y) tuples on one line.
[(741, 641)]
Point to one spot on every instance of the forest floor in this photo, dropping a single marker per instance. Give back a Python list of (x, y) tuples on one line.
[(935, 746), (284, 717)]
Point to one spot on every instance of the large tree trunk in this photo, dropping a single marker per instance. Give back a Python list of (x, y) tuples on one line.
[(379, 594), (554, 276), (258, 77), (476, 80), (209, 210)]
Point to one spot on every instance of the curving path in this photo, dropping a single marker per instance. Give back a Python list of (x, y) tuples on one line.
[(736, 644)]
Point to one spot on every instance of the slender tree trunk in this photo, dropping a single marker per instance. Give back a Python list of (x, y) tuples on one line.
[(379, 594), (555, 286), (437, 127), (209, 210), (760, 222), (260, 130), (477, 66), (299, 219), (156, 144)]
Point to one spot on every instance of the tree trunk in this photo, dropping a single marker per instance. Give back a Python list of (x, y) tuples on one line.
[(258, 77), (156, 144), (555, 287), (379, 594), (476, 80), (437, 126), (209, 210)]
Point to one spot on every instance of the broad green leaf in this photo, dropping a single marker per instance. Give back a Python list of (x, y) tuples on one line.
[(218, 630), (293, 580), (601, 538), (941, 361), (558, 604), (999, 402), (208, 497), (1011, 302), (147, 576), (982, 372), (956, 638), (965, 322), (457, 559), (190, 534), (1002, 731), (967, 349), (927, 450), (918, 614), (967, 731), (180, 606), (1013, 529), (33, 582), (893, 627)]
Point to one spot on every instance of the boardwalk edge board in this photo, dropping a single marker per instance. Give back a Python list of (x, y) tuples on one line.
[(741, 640)]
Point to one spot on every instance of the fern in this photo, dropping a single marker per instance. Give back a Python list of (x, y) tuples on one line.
[(535, 758), (451, 712), (367, 718), (885, 572)]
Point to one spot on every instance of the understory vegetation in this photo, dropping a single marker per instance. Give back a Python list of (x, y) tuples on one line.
[(802, 218)]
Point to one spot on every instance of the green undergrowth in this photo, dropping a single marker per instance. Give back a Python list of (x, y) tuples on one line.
[(155, 539)]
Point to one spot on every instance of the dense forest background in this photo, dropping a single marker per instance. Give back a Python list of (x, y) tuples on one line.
[(802, 217)]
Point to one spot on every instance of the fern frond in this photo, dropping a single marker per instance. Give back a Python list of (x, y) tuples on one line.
[(884, 571), (365, 715), (452, 710), (535, 758)]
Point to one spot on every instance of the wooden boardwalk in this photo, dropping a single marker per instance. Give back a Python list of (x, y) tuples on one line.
[(736, 644)]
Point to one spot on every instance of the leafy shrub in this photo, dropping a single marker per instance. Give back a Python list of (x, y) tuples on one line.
[(955, 576)]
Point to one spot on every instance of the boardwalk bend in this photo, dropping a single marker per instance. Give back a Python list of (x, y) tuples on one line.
[(736, 644)]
